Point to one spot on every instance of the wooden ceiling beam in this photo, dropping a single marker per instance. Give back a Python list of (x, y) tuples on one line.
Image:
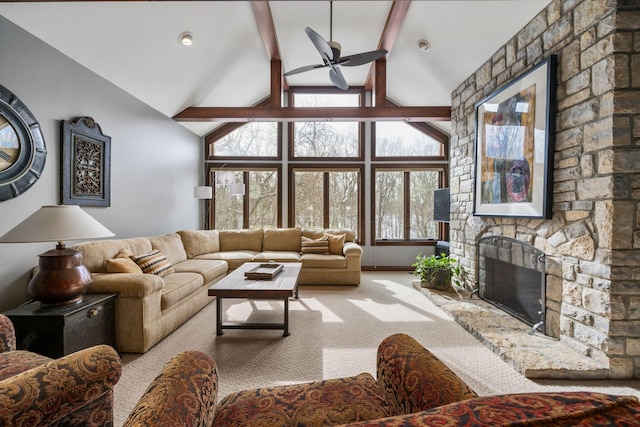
[(310, 114), (267, 31), (392, 27)]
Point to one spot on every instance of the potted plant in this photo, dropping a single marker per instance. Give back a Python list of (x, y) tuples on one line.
[(437, 271)]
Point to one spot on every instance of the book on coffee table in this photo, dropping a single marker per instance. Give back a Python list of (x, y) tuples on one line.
[(265, 271)]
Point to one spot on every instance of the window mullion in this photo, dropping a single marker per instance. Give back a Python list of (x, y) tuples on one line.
[(407, 205), (326, 201)]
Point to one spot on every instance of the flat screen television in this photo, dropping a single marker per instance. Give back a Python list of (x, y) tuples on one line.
[(441, 205)]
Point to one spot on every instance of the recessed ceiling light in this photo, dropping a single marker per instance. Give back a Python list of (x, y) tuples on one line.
[(423, 45), (185, 39)]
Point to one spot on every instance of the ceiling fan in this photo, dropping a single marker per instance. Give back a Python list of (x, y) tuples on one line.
[(330, 53)]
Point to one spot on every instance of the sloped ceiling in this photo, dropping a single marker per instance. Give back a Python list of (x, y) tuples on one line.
[(135, 45)]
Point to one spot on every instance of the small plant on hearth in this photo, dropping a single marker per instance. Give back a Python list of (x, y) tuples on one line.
[(438, 271)]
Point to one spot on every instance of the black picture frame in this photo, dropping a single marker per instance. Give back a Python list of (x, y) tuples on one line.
[(86, 164), (23, 152), (514, 146)]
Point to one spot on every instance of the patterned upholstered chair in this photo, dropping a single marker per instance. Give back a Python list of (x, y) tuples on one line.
[(413, 388), (73, 390)]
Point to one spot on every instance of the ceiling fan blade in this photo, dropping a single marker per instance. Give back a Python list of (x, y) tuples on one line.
[(321, 44), (303, 69), (337, 78), (362, 58)]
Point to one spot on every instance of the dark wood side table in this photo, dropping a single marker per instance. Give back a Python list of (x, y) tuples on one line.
[(55, 331)]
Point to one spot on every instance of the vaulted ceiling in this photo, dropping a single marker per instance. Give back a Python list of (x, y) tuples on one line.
[(135, 45)]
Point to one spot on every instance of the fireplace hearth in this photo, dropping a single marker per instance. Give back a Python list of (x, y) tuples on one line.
[(511, 276)]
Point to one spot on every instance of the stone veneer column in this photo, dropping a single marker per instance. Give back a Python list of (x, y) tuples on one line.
[(593, 240)]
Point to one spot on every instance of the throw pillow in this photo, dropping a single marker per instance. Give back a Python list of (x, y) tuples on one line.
[(122, 265), (336, 242), (155, 262), (318, 246)]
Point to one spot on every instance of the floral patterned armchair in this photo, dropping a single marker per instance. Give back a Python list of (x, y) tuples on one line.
[(73, 390)]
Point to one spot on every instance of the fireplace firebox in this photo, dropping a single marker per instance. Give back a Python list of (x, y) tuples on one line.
[(511, 276)]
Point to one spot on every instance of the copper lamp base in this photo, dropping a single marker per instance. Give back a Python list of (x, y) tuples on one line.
[(61, 277)]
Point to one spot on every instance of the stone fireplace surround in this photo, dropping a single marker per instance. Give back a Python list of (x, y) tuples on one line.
[(592, 242)]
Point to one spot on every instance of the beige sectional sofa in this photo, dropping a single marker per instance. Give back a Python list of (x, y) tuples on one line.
[(151, 306)]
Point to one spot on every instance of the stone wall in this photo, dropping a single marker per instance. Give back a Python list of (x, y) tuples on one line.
[(592, 242)]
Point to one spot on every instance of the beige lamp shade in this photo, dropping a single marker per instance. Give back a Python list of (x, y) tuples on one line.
[(56, 224), (62, 278)]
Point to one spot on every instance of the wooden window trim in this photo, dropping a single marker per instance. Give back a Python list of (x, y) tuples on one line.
[(325, 90), (299, 167), (443, 229), (245, 168)]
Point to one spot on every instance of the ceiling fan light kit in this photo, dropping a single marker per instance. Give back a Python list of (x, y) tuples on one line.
[(330, 54)]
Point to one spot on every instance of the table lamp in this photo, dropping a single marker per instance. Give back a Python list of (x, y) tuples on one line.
[(61, 277)]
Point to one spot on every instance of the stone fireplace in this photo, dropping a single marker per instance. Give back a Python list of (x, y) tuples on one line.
[(592, 242)]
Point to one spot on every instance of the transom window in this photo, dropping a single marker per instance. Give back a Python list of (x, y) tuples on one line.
[(326, 139), (399, 139)]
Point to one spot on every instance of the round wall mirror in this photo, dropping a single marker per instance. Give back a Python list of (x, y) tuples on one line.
[(22, 148)]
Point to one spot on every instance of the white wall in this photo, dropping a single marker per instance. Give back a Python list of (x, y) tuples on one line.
[(154, 161)]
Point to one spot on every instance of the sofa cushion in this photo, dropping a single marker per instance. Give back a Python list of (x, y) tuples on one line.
[(209, 269), (315, 246), (281, 239), (171, 246), (177, 286), (323, 261), (336, 242), (96, 252), (234, 259), (239, 240), (198, 242), (327, 403), (277, 256), (17, 361), (350, 236), (155, 262), (122, 265), (527, 409)]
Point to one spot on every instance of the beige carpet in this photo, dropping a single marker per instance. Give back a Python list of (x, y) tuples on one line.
[(335, 332)]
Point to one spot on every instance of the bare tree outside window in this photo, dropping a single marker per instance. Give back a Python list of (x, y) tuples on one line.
[(309, 206), (395, 189), (263, 199), (398, 139), (326, 139), (389, 216), (342, 194), (421, 188), (229, 212), (256, 139)]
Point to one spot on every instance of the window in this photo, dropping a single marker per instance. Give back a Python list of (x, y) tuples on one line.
[(256, 139), (325, 139), (403, 203), (327, 198), (255, 205), (398, 139)]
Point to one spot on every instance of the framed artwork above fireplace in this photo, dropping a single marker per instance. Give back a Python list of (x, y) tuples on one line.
[(514, 146)]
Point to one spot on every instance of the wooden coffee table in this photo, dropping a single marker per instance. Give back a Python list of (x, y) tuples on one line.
[(235, 285)]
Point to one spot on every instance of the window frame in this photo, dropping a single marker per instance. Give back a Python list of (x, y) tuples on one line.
[(245, 168), (324, 90), (406, 168), (423, 127), (227, 128), (342, 167)]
